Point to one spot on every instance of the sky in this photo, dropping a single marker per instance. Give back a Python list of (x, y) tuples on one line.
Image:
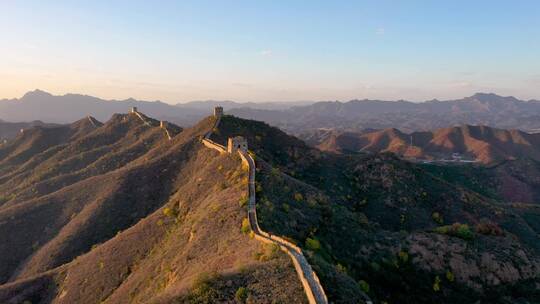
[(178, 51)]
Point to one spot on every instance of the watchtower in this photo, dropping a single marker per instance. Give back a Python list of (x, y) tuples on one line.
[(134, 110), (237, 143), (163, 124), (218, 111)]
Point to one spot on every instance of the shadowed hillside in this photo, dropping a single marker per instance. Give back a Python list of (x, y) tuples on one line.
[(387, 228), (9, 130)]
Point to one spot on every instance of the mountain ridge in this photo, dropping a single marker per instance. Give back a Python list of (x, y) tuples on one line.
[(123, 213), (481, 143), (480, 108)]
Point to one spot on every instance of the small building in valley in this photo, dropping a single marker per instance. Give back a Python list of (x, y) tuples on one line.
[(237, 143)]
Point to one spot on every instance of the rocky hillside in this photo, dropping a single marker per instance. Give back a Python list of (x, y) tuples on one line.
[(377, 226), (516, 181), (118, 213), (9, 130), (479, 143)]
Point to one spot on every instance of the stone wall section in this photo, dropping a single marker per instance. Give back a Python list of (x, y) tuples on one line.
[(92, 121), (309, 279), (163, 125), (141, 117)]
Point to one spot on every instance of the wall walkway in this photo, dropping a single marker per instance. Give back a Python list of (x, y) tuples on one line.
[(310, 282), (146, 122)]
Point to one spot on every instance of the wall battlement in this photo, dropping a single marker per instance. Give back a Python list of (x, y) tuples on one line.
[(237, 143), (218, 112)]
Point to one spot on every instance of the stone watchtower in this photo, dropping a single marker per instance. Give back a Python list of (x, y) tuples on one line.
[(218, 112), (237, 143), (134, 110)]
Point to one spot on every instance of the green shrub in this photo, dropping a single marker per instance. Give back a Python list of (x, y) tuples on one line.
[(364, 286), (245, 226), (269, 252), (457, 229), (375, 266), (450, 276), (313, 244), (341, 268), (463, 231), (243, 201), (202, 291), (437, 284), (298, 197), (169, 212), (436, 216), (404, 256), (241, 295)]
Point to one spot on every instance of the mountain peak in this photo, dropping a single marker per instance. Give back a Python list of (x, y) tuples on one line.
[(37, 93), (490, 97)]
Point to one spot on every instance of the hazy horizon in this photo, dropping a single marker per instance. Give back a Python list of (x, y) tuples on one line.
[(247, 101), (256, 52)]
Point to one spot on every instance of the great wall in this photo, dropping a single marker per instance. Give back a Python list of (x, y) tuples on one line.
[(309, 279), (142, 117)]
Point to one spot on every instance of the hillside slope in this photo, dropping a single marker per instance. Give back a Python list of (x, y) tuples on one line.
[(382, 226), (480, 143), (9, 130), (121, 214)]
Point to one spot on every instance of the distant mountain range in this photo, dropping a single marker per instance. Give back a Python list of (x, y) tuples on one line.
[(40, 105), (479, 109), (478, 143), (294, 117)]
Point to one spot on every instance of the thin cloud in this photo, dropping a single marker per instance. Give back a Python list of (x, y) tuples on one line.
[(380, 31), (266, 53)]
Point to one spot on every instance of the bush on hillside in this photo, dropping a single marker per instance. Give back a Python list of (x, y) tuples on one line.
[(456, 229), (313, 244), (245, 226), (202, 291), (243, 201), (169, 212), (436, 216), (241, 295), (364, 286), (489, 228)]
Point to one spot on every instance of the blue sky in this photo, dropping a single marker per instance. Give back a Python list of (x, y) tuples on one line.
[(178, 51)]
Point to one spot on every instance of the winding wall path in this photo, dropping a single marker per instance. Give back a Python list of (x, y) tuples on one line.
[(141, 117), (312, 286), (146, 122)]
